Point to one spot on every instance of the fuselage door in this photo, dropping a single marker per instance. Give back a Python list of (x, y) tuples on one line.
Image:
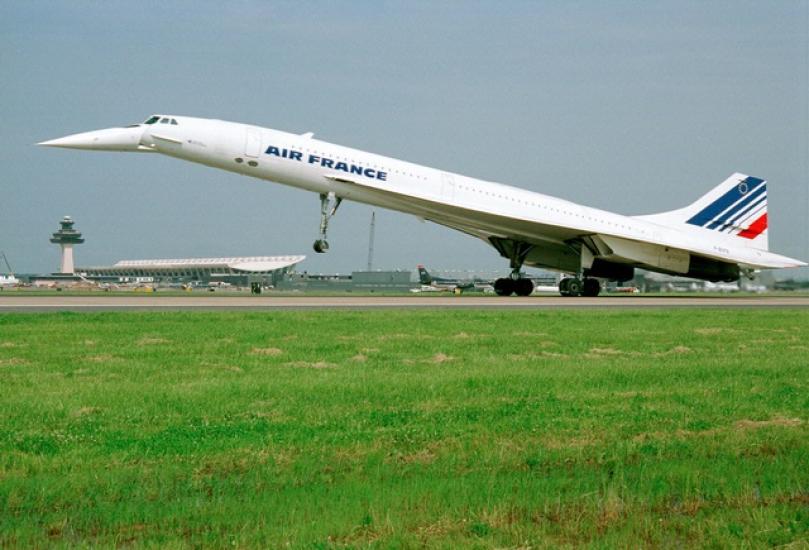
[(252, 142)]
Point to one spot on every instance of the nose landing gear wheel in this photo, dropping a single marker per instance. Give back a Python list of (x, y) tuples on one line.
[(321, 246)]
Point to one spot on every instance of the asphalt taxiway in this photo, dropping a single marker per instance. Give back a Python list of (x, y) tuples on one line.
[(33, 303)]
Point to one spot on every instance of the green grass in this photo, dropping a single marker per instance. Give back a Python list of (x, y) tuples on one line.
[(404, 428)]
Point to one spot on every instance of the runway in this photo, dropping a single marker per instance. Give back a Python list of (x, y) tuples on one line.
[(50, 303)]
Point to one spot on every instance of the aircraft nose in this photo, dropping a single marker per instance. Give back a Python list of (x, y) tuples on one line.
[(110, 139)]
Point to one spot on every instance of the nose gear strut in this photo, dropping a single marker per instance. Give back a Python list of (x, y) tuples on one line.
[(321, 245)]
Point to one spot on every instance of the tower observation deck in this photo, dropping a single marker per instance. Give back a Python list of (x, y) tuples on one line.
[(66, 237)]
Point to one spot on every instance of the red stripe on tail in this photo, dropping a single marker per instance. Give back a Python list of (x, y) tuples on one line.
[(756, 228)]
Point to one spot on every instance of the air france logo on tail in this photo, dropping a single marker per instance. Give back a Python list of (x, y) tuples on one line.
[(741, 211)]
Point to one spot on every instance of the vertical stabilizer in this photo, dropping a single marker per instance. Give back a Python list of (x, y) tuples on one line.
[(424, 276), (737, 207)]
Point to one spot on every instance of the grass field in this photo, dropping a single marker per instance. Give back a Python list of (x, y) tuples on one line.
[(403, 428)]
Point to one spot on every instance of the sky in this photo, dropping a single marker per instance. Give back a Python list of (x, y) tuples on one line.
[(635, 107)]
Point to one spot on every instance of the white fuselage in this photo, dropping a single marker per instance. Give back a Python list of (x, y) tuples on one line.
[(481, 208)]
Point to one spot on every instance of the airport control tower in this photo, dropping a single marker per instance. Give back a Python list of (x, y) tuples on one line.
[(66, 237)]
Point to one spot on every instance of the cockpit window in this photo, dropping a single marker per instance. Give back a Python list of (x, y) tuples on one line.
[(162, 120)]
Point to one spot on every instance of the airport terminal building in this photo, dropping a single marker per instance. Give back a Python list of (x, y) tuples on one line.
[(237, 270)]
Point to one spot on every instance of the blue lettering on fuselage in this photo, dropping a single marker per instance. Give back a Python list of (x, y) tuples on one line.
[(326, 162)]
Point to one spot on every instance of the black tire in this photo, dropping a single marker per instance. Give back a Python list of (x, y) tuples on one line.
[(591, 287), (523, 287), (563, 286), (504, 287), (574, 287)]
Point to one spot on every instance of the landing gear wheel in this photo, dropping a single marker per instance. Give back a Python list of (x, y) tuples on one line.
[(570, 286), (523, 287), (516, 252), (574, 287), (591, 287), (504, 287), (321, 246)]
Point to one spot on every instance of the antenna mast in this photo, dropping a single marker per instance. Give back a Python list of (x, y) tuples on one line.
[(8, 265), (371, 241)]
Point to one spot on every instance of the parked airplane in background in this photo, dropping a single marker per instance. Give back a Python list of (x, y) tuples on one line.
[(719, 237), (449, 284)]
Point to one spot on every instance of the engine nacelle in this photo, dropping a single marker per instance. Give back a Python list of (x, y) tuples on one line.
[(712, 270), (610, 270)]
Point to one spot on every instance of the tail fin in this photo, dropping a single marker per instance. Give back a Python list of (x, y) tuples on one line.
[(736, 207), (424, 275)]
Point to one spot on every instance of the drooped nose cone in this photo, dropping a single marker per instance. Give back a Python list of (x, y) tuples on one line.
[(111, 139)]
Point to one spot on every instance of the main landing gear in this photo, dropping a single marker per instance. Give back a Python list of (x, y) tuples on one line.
[(508, 286), (327, 210), (516, 253), (573, 286)]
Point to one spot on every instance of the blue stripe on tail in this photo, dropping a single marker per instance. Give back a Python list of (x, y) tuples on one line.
[(704, 216), (752, 207), (746, 201)]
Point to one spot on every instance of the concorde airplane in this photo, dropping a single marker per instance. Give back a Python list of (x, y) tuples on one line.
[(719, 237)]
